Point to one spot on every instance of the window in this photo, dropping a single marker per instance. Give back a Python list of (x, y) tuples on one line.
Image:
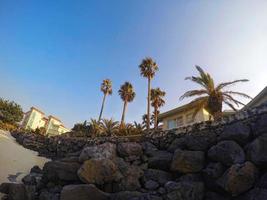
[(180, 121), (171, 124), (189, 118)]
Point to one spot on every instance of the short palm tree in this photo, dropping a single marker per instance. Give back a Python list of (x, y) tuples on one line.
[(109, 126), (127, 94), (95, 128), (148, 68), (214, 96), (106, 88), (157, 101)]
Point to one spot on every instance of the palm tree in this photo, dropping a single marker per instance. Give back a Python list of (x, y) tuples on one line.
[(106, 88), (109, 126), (157, 101), (127, 94), (214, 96), (95, 128), (148, 68)]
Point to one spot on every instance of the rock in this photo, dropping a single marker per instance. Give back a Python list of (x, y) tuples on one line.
[(151, 185), (239, 178), (128, 149), (214, 170), (14, 191), (103, 151), (83, 192), (66, 171), (160, 160), (191, 177), (36, 169), (126, 195), (29, 180), (237, 131), (157, 175), (254, 194), (257, 151), (98, 171), (188, 161), (262, 183), (148, 148), (178, 143), (227, 152), (260, 127), (200, 142), (187, 191), (45, 195), (215, 196)]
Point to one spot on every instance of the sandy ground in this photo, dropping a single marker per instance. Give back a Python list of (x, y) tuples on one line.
[(15, 160)]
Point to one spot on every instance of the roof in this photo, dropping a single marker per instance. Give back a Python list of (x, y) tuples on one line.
[(51, 116), (179, 109), (256, 101), (36, 109)]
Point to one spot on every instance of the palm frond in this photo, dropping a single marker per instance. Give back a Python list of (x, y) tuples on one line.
[(238, 93), (193, 93), (230, 98), (230, 105), (223, 85)]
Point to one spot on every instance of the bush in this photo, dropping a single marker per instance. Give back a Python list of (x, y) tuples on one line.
[(7, 126), (10, 112)]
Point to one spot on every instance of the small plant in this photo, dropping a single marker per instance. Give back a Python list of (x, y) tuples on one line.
[(109, 127)]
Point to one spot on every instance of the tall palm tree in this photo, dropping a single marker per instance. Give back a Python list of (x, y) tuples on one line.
[(157, 101), (214, 96), (127, 94), (148, 68), (106, 88)]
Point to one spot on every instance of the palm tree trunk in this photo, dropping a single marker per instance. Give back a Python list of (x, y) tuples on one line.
[(102, 107), (123, 112), (156, 118), (148, 105)]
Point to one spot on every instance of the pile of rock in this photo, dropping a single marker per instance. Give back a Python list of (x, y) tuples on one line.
[(216, 163)]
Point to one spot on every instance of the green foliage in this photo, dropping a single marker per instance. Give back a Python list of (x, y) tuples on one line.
[(80, 130), (7, 126), (10, 112), (40, 131), (109, 127)]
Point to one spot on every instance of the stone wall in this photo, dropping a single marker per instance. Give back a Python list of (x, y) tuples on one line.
[(225, 160)]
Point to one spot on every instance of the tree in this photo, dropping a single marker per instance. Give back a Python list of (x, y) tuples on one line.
[(10, 112), (109, 126), (127, 94), (214, 96), (106, 88), (148, 68), (157, 101)]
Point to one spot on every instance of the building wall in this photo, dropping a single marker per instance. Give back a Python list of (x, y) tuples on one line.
[(184, 118), (33, 120)]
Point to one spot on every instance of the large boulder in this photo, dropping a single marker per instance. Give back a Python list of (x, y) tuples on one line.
[(177, 143), (99, 171), (185, 191), (254, 194), (227, 152), (260, 127), (128, 149), (188, 161), (257, 151), (239, 178), (160, 160), (238, 131), (65, 171), (83, 192), (103, 151)]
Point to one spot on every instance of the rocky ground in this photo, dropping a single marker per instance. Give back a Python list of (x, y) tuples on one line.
[(225, 161)]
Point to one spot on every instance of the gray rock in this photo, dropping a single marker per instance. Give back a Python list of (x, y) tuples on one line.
[(214, 170), (160, 160), (237, 131), (151, 185), (178, 143), (128, 149), (104, 151), (45, 195), (227, 152), (126, 195), (188, 161), (257, 151), (83, 192), (14, 191), (215, 196), (99, 171), (254, 194), (187, 191), (66, 171), (239, 178), (260, 127), (157, 175)]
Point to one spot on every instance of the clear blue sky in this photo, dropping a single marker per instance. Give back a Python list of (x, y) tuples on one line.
[(54, 54)]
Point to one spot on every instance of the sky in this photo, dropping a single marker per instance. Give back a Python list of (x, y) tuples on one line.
[(55, 54)]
